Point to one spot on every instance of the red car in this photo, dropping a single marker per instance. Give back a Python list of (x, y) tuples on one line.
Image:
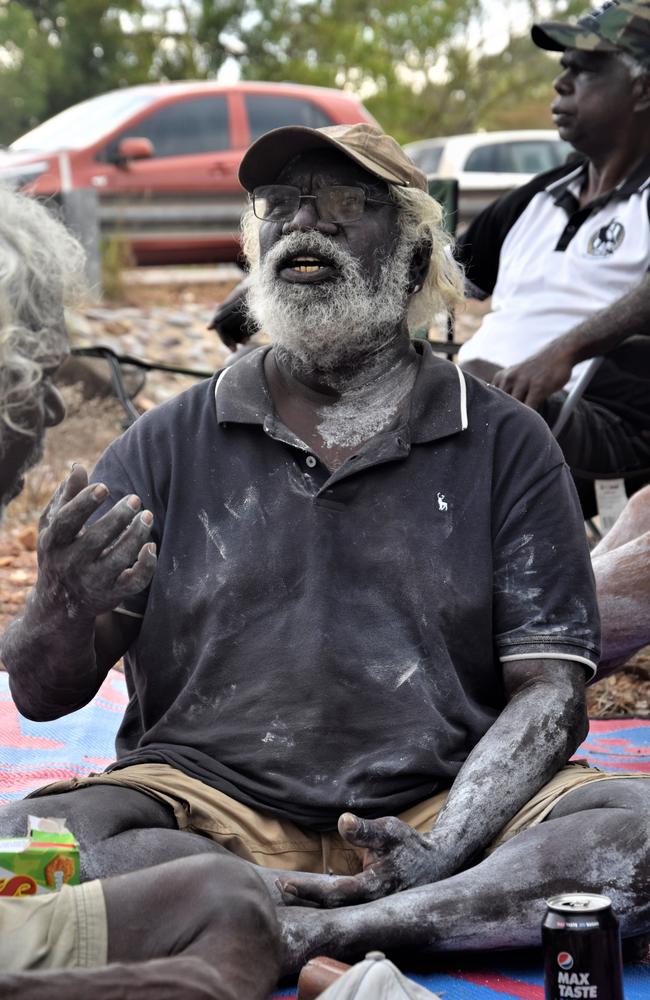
[(164, 158)]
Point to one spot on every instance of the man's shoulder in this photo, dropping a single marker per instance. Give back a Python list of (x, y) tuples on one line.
[(181, 409), (512, 204), (479, 247), (509, 419)]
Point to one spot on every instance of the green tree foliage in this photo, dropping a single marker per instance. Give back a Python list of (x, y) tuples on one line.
[(371, 48), (56, 52), (409, 61)]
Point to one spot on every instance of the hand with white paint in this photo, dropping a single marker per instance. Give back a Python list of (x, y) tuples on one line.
[(92, 568), (396, 857), (542, 724), (50, 652)]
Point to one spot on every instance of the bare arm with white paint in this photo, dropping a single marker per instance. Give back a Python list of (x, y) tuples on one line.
[(543, 723), (535, 379), (59, 651)]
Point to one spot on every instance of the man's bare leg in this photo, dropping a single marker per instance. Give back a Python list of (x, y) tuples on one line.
[(119, 829), (620, 563), (191, 930), (597, 840), (633, 522)]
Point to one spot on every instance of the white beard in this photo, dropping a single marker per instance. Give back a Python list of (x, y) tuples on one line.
[(329, 327)]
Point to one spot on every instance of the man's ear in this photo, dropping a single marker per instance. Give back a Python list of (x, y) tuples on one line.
[(642, 92), (420, 261)]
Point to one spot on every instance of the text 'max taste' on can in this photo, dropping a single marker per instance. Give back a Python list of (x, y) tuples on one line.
[(582, 949)]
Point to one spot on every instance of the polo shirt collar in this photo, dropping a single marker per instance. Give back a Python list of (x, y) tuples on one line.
[(241, 394), (557, 189), (637, 180), (438, 398)]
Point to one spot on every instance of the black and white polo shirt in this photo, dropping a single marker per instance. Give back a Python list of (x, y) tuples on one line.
[(550, 264)]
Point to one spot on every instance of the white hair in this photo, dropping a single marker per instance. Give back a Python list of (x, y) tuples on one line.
[(41, 272), (420, 219)]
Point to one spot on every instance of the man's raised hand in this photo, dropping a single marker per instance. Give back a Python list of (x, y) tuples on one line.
[(93, 567), (396, 857)]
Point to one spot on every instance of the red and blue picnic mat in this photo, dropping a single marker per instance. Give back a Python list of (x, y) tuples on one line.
[(33, 753)]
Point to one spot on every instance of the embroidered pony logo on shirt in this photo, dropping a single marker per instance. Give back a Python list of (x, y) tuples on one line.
[(442, 503), (606, 240)]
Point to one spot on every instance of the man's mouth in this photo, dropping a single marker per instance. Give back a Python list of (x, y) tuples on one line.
[(306, 269), (560, 114)]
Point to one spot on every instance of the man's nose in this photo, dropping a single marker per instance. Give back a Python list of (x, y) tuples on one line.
[(53, 406), (562, 83), (306, 218)]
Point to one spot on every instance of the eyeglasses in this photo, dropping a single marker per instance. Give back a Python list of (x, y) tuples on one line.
[(339, 203)]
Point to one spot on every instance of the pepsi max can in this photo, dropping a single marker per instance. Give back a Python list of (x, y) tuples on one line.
[(582, 949)]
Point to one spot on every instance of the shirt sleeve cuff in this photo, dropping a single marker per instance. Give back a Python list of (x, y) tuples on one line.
[(590, 664)]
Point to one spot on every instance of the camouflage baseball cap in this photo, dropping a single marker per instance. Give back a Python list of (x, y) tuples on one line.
[(617, 26)]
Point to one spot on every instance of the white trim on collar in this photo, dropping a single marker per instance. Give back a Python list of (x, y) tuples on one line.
[(464, 420), (566, 179), (216, 390)]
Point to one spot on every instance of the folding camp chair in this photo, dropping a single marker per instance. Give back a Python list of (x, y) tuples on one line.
[(445, 191), (610, 493), (115, 362)]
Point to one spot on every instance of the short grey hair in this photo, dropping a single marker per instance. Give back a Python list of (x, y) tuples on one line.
[(634, 67), (41, 273), (421, 222)]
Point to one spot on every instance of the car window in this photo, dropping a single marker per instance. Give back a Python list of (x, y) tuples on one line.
[(534, 157), (427, 158), (194, 125), (529, 156), (85, 123), (484, 158), (267, 111)]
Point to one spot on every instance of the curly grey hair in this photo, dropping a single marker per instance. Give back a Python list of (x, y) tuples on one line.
[(41, 272), (421, 221)]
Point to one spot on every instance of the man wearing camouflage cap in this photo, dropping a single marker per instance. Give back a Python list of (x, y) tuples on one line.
[(616, 27), (566, 256)]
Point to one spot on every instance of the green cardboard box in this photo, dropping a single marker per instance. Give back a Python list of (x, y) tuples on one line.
[(43, 861)]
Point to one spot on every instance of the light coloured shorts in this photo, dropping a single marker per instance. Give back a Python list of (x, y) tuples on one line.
[(54, 930), (276, 843)]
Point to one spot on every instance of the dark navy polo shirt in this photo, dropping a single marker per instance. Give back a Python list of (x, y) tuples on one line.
[(313, 643)]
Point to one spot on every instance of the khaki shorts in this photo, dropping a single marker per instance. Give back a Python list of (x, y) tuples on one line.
[(55, 930), (275, 843)]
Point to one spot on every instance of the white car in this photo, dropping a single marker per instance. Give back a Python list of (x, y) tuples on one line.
[(487, 164)]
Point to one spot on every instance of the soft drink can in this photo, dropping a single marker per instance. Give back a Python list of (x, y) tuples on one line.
[(582, 949)]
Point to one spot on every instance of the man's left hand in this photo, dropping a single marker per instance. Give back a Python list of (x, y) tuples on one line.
[(396, 857), (537, 378)]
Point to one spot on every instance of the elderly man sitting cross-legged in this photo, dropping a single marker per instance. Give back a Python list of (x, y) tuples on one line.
[(184, 930), (364, 646)]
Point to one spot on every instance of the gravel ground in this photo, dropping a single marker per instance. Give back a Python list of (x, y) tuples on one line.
[(168, 324)]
